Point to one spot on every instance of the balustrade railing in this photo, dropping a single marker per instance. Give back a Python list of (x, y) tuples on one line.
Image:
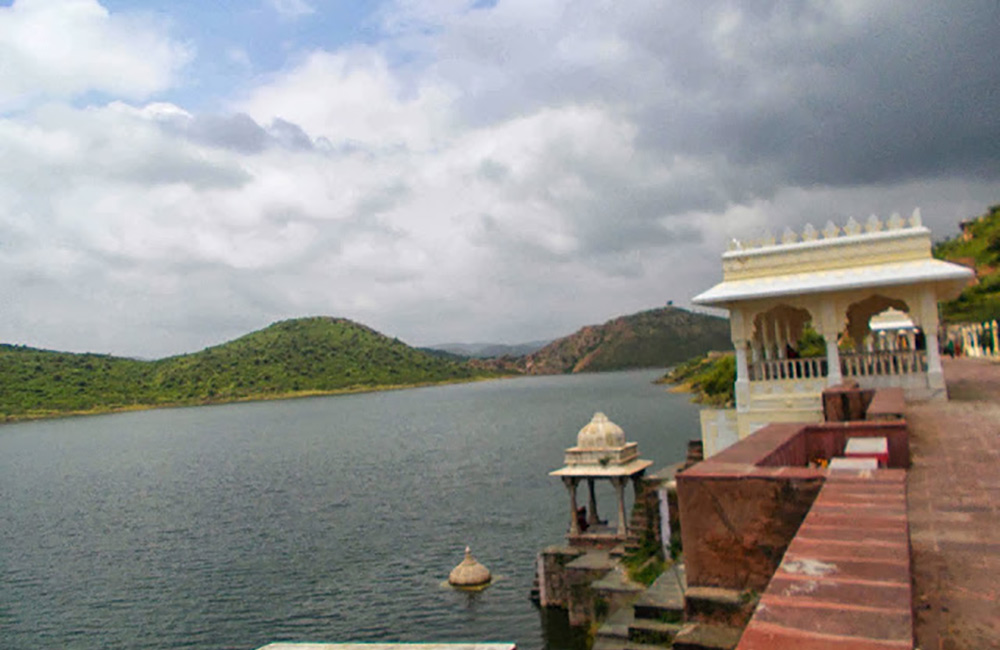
[(866, 364), (871, 364), (777, 369)]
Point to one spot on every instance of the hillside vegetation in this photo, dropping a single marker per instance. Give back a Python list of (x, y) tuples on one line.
[(711, 377), (294, 357), (980, 247), (649, 339)]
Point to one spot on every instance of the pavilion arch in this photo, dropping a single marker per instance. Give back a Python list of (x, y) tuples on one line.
[(859, 315), (776, 329)]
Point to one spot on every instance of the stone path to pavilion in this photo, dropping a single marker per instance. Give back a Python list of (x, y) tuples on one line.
[(953, 501)]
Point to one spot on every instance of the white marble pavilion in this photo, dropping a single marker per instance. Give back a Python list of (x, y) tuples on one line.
[(601, 453), (874, 289)]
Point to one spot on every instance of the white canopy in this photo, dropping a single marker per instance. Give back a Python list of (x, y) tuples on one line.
[(856, 277)]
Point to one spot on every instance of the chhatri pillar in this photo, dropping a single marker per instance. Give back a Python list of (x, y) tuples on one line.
[(601, 453)]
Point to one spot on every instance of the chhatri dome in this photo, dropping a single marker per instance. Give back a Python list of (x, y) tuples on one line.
[(469, 573), (600, 433)]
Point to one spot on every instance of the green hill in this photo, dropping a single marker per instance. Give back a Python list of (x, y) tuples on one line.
[(649, 339), (295, 357), (978, 246)]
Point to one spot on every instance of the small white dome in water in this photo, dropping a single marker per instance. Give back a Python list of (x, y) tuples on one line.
[(469, 573), (600, 433)]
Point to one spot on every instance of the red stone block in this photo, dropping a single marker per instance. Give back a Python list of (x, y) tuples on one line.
[(874, 571), (851, 499), (823, 549), (760, 636), (845, 534), (862, 511), (837, 593), (839, 621), (847, 521)]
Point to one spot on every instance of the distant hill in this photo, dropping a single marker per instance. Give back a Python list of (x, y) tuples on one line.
[(978, 246), (488, 350), (651, 339), (294, 357)]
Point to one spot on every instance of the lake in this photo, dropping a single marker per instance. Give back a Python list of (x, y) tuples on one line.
[(321, 519)]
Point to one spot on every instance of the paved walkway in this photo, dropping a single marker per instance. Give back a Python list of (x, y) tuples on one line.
[(953, 503)]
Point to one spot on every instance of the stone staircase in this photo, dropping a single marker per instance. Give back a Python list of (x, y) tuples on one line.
[(657, 619), (653, 619)]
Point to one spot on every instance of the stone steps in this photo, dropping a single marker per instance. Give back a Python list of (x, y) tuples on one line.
[(652, 632), (616, 627), (664, 600), (713, 605)]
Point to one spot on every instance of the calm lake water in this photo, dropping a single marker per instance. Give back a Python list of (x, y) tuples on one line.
[(323, 519)]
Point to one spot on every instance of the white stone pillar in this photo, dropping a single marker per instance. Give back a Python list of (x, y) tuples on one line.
[(738, 330), (764, 342), (591, 504), (935, 375), (742, 387), (778, 340), (833, 375), (831, 332), (570, 482), (619, 482)]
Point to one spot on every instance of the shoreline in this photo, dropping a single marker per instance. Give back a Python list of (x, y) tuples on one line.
[(265, 397), (302, 394)]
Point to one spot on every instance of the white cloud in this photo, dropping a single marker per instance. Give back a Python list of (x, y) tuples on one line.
[(352, 98), (64, 48)]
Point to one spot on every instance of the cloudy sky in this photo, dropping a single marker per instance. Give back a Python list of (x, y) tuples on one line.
[(175, 173)]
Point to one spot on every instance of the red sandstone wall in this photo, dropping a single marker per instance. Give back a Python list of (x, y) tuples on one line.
[(735, 529), (741, 508)]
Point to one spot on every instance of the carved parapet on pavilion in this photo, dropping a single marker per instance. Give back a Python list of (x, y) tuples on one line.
[(834, 248)]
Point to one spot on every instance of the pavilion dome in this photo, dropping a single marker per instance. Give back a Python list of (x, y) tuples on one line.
[(469, 573), (600, 433)]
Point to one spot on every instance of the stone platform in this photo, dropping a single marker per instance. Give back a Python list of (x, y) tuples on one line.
[(953, 501)]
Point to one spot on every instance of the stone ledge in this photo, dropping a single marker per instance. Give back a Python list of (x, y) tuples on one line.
[(844, 581)]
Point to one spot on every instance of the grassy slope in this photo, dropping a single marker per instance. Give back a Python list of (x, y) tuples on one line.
[(303, 356), (982, 301)]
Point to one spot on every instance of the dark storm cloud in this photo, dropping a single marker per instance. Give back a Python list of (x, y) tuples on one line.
[(896, 94), (791, 92)]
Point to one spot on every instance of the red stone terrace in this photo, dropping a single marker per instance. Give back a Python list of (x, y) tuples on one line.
[(826, 550)]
